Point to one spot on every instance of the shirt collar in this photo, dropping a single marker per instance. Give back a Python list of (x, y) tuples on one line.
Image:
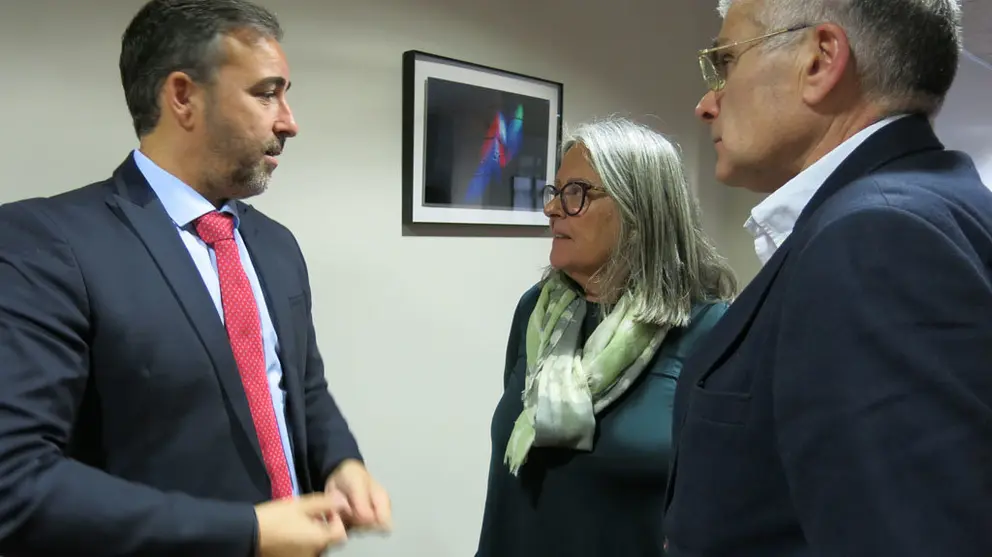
[(182, 203), (776, 215)]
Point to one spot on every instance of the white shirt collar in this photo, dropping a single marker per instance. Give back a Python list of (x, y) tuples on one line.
[(771, 221)]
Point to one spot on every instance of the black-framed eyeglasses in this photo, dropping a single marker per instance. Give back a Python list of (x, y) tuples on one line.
[(714, 65), (572, 195)]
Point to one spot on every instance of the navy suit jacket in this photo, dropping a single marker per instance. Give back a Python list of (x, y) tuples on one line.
[(843, 406), (124, 427)]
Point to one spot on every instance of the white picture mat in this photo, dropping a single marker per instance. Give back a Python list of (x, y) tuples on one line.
[(452, 71)]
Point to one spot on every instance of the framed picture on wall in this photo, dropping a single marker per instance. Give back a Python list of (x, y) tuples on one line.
[(479, 144)]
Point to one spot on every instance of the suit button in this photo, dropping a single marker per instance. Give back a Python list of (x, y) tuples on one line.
[(665, 545)]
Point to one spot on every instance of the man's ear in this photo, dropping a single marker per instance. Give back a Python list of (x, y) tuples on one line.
[(827, 61), (182, 99)]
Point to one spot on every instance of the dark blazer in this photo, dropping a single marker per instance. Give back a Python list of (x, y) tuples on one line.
[(124, 428), (843, 406)]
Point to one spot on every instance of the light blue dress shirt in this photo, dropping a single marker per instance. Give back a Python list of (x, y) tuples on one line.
[(184, 205)]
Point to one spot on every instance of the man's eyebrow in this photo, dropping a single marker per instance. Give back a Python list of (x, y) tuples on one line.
[(275, 81)]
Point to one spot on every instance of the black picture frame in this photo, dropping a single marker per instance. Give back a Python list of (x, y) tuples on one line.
[(479, 143)]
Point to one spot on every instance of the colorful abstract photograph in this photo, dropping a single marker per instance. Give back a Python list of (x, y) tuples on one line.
[(484, 148)]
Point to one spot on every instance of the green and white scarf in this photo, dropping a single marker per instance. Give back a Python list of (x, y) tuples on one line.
[(567, 384)]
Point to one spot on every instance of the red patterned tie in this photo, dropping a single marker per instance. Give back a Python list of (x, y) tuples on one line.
[(245, 333)]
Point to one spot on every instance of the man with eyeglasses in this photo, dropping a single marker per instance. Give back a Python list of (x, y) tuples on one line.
[(843, 406)]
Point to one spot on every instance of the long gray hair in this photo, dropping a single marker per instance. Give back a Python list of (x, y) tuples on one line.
[(663, 260)]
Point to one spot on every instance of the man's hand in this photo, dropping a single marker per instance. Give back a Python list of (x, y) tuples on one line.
[(299, 527), (368, 502)]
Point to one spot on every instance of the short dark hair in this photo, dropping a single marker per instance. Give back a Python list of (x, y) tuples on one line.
[(166, 36)]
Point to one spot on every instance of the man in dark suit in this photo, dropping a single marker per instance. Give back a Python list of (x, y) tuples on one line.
[(843, 406), (161, 390)]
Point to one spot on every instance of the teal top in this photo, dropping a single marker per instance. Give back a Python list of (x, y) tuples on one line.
[(605, 502)]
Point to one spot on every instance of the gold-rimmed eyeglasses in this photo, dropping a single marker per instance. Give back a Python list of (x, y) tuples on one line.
[(714, 65)]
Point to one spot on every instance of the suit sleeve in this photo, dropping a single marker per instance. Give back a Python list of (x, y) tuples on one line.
[(330, 440), (883, 388), (50, 504)]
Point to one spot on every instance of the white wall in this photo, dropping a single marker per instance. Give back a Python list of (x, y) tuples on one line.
[(413, 328), (965, 122)]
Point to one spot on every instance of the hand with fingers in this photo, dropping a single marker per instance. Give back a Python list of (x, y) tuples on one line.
[(368, 506), (301, 527)]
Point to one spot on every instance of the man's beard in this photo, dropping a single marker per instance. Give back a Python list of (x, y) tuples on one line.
[(242, 169), (250, 177)]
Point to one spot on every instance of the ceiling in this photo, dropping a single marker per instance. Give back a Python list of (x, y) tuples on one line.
[(978, 28)]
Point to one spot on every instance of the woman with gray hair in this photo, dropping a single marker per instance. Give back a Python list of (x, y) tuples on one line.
[(581, 437)]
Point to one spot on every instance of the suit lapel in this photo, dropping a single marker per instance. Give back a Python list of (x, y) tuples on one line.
[(904, 137), (268, 265), (138, 206)]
